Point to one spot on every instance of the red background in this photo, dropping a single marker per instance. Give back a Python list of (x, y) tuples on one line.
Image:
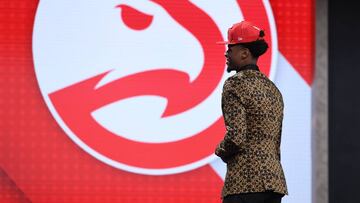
[(39, 163)]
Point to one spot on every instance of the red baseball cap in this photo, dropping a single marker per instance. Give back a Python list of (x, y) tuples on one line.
[(242, 32)]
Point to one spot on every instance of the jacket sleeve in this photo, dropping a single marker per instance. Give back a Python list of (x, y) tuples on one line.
[(278, 141), (234, 114)]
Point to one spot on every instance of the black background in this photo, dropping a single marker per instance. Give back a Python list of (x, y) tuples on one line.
[(344, 101)]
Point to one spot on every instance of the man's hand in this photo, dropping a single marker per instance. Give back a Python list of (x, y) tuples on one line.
[(221, 152)]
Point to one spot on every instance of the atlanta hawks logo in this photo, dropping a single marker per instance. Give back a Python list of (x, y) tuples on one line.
[(137, 83)]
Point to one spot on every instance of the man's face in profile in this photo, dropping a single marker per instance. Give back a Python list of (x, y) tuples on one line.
[(233, 57)]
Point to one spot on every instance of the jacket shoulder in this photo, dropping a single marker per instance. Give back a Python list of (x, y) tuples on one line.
[(242, 79)]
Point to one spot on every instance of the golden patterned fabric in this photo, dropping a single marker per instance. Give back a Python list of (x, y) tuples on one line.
[(253, 112)]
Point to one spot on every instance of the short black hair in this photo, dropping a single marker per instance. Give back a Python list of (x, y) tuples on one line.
[(256, 48)]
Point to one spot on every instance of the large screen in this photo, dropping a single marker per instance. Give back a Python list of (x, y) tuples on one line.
[(120, 100)]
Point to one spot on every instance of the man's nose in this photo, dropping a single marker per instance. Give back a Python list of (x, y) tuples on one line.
[(226, 54)]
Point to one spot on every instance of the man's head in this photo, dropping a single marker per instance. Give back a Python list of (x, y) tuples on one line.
[(245, 45)]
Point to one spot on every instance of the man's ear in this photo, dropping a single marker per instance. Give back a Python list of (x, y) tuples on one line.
[(245, 53)]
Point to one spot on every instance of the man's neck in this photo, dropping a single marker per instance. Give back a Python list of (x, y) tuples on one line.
[(247, 67)]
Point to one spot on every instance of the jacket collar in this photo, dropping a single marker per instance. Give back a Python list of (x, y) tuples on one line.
[(248, 67)]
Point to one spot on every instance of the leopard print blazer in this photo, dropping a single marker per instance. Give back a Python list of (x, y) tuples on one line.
[(252, 108)]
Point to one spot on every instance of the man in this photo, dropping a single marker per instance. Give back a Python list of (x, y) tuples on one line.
[(253, 112)]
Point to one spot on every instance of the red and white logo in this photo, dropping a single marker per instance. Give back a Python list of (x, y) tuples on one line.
[(137, 83)]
